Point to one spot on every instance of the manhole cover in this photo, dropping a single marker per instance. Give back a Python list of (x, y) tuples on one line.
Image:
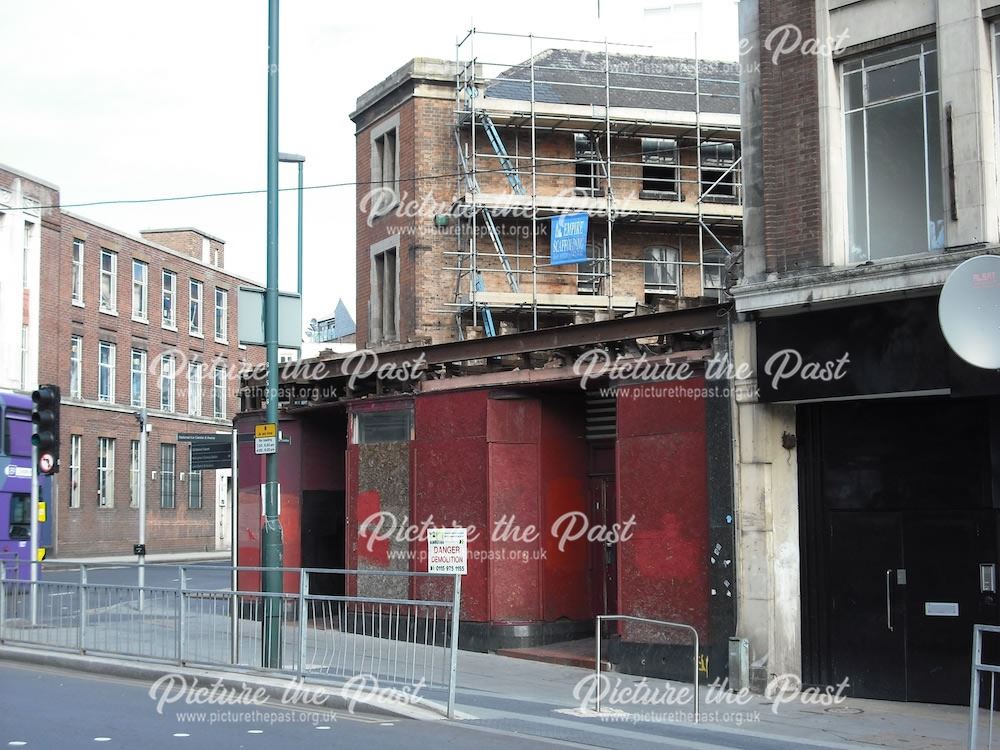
[(844, 710)]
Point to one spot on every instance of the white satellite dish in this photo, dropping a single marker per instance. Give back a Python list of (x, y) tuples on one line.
[(969, 311)]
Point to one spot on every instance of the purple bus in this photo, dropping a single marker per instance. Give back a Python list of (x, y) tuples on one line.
[(15, 488)]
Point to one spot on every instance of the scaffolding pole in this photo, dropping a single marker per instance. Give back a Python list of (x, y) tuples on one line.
[(534, 194), (697, 152), (470, 91), (607, 173), (473, 104)]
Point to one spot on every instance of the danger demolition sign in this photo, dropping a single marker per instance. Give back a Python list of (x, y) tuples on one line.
[(448, 551)]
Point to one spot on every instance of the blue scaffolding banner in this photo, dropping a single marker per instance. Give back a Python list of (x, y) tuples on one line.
[(568, 239)]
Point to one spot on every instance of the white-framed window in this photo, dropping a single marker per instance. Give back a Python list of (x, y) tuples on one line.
[(75, 367), (194, 309), (77, 294), (140, 291), (719, 178), (169, 300), (75, 446), (661, 269), (588, 165), (168, 377), (194, 388), (590, 274), (106, 372), (895, 199), (221, 315), (659, 168), (995, 34), (133, 474), (138, 378), (713, 261), (105, 472), (219, 392), (168, 467), (29, 230), (194, 485), (384, 300), (382, 427), (109, 281)]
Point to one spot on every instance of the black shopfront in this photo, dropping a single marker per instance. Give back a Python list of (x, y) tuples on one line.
[(898, 462)]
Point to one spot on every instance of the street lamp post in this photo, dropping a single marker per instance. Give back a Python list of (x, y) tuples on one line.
[(300, 160), (271, 536), (142, 416)]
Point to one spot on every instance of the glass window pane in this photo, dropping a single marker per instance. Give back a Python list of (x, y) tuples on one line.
[(930, 72), (896, 53), (384, 427), (894, 81), (896, 179), (853, 91), (661, 269), (935, 190), (857, 194)]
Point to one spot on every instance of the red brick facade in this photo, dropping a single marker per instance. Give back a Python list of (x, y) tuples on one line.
[(791, 142), (429, 185), (83, 526)]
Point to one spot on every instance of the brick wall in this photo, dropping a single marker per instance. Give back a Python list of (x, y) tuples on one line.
[(189, 242), (428, 254), (789, 97), (90, 529), (374, 229)]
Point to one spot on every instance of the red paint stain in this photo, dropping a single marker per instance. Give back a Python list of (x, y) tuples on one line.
[(370, 549)]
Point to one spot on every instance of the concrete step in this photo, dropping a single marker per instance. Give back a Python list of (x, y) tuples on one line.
[(579, 653)]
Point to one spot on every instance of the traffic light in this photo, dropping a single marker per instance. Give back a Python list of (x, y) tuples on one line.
[(45, 416)]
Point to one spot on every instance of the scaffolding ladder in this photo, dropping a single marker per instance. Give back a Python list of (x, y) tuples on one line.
[(491, 227), (493, 136)]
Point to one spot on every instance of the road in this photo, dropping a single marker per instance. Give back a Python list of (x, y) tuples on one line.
[(52, 709), (57, 709), (58, 597), (201, 576)]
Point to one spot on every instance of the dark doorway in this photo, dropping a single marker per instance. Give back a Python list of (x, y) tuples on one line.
[(322, 539), (603, 512), (897, 520)]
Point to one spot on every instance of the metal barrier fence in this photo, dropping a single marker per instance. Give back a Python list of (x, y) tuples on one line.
[(402, 641), (979, 671), (662, 623)]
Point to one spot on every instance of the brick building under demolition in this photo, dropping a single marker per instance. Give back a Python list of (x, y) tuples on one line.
[(497, 429), (122, 323)]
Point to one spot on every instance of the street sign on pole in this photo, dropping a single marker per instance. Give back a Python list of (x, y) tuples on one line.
[(265, 438), (271, 538), (203, 437), (209, 451)]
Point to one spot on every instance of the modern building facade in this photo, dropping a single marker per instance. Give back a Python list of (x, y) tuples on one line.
[(126, 323), (866, 451)]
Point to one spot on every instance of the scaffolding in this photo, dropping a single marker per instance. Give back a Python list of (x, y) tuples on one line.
[(615, 103)]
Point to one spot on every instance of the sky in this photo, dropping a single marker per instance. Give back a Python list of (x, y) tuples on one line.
[(118, 99)]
